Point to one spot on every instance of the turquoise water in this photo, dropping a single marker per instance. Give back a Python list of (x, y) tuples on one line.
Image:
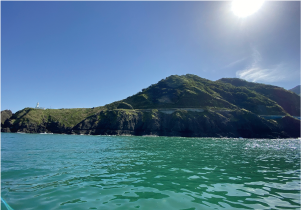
[(114, 172)]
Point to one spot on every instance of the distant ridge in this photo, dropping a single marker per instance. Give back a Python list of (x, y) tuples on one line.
[(296, 90)]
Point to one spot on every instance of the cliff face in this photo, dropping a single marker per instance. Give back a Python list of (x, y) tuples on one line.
[(5, 115), (238, 123), (34, 127)]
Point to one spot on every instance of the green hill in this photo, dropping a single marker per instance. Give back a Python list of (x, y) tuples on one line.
[(289, 101), (185, 105), (39, 120), (191, 91)]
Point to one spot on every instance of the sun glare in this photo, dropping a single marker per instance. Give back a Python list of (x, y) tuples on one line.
[(244, 8)]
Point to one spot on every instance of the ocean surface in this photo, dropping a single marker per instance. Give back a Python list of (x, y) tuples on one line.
[(122, 172)]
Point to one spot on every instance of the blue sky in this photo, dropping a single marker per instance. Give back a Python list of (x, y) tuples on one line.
[(88, 54)]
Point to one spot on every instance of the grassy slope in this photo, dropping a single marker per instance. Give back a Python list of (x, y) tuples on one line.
[(67, 117), (192, 91), (289, 101), (177, 92)]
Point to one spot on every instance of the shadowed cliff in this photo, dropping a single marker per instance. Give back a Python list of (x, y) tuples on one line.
[(237, 123)]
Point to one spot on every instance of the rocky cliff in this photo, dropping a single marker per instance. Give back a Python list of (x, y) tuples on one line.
[(237, 123), (6, 114)]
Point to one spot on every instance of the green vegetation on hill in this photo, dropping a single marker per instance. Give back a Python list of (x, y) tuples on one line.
[(177, 105), (289, 101), (65, 117), (177, 92), (195, 92)]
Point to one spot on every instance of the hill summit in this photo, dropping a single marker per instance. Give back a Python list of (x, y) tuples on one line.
[(191, 91)]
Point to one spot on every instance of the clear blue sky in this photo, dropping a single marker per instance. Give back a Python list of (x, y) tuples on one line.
[(88, 54)]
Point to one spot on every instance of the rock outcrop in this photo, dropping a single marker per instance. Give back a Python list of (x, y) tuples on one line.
[(6, 114)]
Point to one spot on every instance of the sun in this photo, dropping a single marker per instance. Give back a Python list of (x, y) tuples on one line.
[(244, 8)]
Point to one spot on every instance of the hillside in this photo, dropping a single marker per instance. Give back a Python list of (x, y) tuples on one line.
[(56, 120), (289, 101), (195, 92), (296, 90), (237, 123), (177, 105)]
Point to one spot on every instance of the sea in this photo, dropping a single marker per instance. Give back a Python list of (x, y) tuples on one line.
[(55, 171)]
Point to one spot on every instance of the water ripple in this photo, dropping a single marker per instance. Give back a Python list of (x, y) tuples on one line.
[(102, 172)]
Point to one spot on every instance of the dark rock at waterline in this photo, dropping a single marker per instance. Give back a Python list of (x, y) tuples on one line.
[(5, 130), (290, 125), (31, 127)]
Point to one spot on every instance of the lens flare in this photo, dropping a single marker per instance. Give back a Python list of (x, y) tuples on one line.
[(244, 8)]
